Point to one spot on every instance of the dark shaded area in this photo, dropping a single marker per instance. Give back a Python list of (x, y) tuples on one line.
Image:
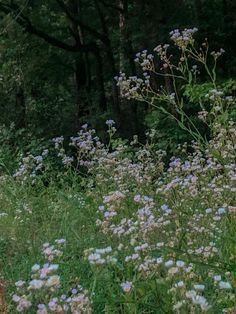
[(58, 58)]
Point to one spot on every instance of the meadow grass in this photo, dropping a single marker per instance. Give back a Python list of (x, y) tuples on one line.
[(140, 237)]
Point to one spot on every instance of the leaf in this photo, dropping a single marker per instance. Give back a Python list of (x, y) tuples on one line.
[(190, 77)]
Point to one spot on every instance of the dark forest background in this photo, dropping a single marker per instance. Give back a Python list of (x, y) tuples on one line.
[(58, 59)]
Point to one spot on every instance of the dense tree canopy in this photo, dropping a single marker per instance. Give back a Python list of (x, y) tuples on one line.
[(58, 58)]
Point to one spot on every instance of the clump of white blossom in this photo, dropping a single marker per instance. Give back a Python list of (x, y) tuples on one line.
[(42, 293)]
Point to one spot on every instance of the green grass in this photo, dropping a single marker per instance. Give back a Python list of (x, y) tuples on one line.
[(162, 252)]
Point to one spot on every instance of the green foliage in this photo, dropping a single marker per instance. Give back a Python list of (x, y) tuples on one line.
[(183, 109), (167, 132), (14, 143)]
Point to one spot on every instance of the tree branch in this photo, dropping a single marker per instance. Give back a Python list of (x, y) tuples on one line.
[(26, 24), (77, 21)]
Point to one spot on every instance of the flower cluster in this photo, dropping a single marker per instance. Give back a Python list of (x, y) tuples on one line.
[(42, 293), (30, 167), (133, 86), (100, 256), (182, 38), (170, 241), (145, 59)]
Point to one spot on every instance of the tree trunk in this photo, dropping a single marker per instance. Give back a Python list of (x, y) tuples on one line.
[(197, 4), (20, 108), (80, 77), (127, 65), (112, 65), (100, 81), (115, 92), (82, 68)]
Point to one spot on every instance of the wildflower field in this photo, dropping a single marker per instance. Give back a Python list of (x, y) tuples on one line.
[(123, 227)]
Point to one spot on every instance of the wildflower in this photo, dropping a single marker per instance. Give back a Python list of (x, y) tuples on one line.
[(15, 298), (159, 260), (126, 286), (52, 305), (172, 96), (53, 281), (41, 306), (67, 160), (45, 152), (166, 208), (60, 241), (53, 267), (180, 284), (173, 270), (169, 263), (42, 309), (137, 198), (104, 250), (19, 283), (35, 267), (23, 304), (44, 271), (66, 307), (110, 122), (178, 305), (36, 284), (225, 285), (180, 264), (63, 297), (58, 140), (199, 287), (217, 278), (38, 159), (94, 257), (190, 294), (221, 210), (84, 126), (198, 299), (202, 115)]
